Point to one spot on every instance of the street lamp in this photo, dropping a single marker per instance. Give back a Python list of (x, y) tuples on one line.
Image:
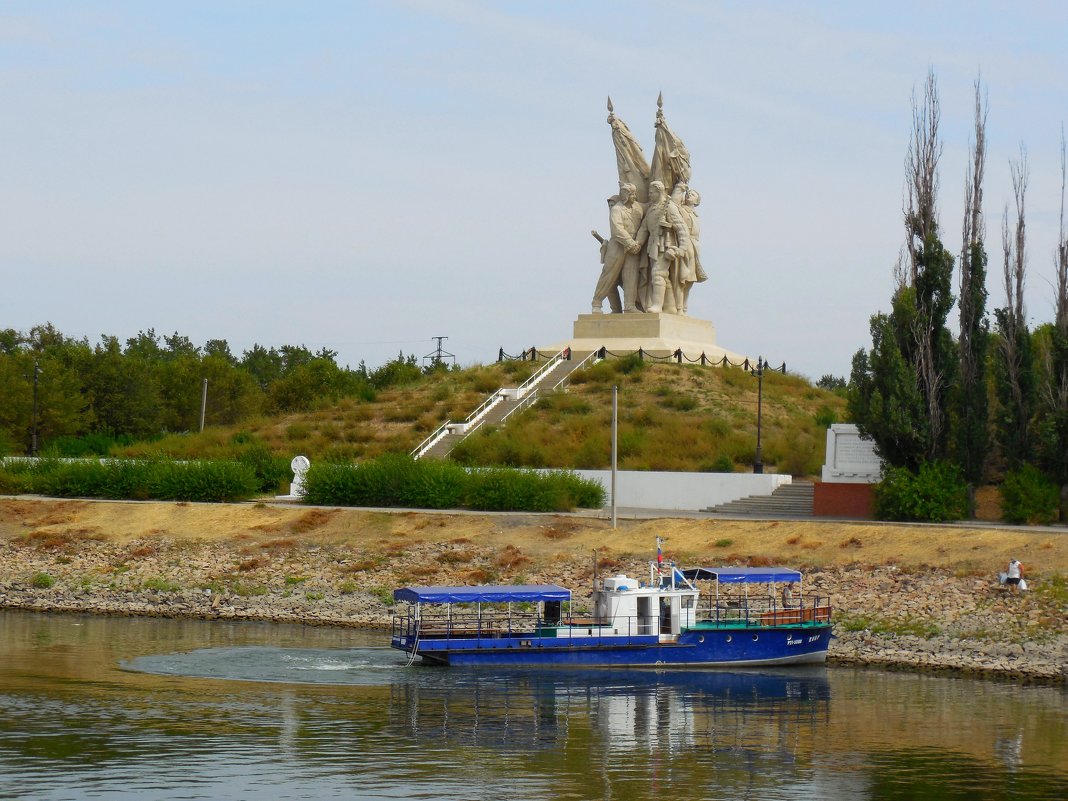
[(758, 465)]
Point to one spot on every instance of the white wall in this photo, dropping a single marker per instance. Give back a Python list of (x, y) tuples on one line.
[(689, 491)]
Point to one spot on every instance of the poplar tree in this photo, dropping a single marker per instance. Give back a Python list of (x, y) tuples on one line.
[(899, 392), (972, 440), (1014, 378), (1052, 424)]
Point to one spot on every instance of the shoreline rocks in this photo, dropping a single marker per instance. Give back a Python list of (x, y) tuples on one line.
[(918, 619)]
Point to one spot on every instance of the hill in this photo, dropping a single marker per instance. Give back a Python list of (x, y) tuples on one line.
[(671, 417)]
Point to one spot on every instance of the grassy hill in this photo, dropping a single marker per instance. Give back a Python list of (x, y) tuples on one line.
[(671, 417)]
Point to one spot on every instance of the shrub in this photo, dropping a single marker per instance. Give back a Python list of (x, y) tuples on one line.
[(12, 483), (160, 479), (429, 484), (42, 581), (721, 464), (937, 493), (1028, 496), (270, 470)]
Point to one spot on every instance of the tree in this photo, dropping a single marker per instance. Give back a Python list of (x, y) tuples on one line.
[(1052, 423), (1014, 377), (265, 366), (122, 390), (971, 397), (899, 394)]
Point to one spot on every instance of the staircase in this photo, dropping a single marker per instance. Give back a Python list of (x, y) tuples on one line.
[(789, 500), (501, 404)]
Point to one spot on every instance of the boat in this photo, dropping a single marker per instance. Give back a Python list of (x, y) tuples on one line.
[(666, 622)]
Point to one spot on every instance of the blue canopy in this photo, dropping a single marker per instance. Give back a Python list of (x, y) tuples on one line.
[(742, 575), (484, 594)]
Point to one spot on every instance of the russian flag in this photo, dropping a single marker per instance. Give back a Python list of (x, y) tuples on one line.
[(659, 553)]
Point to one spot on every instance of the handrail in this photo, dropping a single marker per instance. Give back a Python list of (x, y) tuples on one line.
[(531, 399), (426, 444), (541, 372)]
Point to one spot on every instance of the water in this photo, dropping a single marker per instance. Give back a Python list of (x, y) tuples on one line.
[(113, 708)]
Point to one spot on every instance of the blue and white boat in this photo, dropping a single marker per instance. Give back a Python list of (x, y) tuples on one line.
[(667, 622)]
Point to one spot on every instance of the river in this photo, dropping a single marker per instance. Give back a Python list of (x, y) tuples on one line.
[(131, 708)]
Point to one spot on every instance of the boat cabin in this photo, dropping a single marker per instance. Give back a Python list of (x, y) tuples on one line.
[(627, 606)]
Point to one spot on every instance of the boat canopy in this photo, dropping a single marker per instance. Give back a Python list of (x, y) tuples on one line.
[(742, 575), (484, 594)]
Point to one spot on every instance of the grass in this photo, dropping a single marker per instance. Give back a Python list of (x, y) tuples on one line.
[(911, 627), (160, 585), (42, 581), (705, 413)]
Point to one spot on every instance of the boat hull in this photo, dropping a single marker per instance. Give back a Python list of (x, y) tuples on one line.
[(694, 648)]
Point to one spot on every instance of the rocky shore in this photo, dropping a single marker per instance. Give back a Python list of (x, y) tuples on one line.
[(927, 618)]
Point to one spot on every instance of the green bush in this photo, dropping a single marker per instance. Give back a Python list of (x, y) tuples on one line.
[(270, 470), (431, 484), (721, 464), (160, 479), (936, 494), (1029, 497), (12, 482), (97, 443)]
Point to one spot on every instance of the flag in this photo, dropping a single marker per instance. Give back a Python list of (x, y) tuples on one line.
[(630, 158), (671, 159), (659, 553)]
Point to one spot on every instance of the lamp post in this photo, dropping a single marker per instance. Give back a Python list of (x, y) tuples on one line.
[(758, 465)]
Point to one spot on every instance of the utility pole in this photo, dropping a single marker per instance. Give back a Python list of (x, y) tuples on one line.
[(203, 404), (615, 447), (758, 465), (33, 433)]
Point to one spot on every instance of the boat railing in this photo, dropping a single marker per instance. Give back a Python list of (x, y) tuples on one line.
[(761, 611), (497, 625)]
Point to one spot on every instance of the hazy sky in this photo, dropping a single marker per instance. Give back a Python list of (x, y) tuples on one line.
[(366, 175)]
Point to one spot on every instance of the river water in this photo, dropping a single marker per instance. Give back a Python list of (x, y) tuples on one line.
[(126, 708)]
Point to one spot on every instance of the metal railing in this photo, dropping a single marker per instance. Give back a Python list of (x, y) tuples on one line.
[(475, 420), (763, 612), (754, 613), (534, 396)]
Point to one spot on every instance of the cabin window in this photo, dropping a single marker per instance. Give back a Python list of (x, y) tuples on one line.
[(687, 602)]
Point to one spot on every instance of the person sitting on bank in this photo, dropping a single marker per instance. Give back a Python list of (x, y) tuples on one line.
[(1013, 576)]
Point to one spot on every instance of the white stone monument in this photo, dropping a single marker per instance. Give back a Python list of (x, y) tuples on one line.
[(299, 466), (851, 459)]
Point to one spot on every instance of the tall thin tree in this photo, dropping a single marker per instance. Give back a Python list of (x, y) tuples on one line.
[(972, 406), (1014, 382), (1052, 423), (898, 392), (930, 270)]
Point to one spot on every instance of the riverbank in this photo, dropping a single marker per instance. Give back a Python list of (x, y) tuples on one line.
[(911, 596)]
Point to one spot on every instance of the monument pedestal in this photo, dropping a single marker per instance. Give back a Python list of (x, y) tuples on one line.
[(656, 334)]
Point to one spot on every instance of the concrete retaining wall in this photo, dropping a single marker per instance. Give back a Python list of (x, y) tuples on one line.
[(689, 491)]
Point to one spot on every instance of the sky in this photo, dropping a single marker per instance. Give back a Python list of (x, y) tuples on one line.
[(365, 176)]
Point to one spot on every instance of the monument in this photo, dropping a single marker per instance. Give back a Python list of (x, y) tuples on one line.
[(652, 255)]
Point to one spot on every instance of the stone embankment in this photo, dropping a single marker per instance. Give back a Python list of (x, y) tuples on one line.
[(918, 618)]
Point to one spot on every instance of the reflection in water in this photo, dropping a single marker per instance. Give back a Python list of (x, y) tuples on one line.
[(146, 709)]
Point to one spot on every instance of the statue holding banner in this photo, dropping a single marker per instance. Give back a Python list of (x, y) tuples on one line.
[(657, 276)]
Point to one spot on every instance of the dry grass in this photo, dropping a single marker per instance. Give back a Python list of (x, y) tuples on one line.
[(373, 536), (706, 412)]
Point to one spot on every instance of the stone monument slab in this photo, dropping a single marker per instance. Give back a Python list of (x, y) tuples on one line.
[(851, 459)]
